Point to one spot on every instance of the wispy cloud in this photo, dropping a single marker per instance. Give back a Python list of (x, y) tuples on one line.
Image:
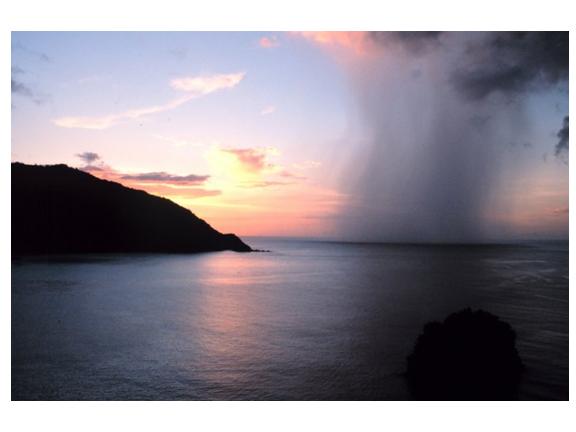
[(193, 86), (157, 183), (107, 121), (306, 165), (164, 177), (205, 84), (18, 46), (18, 87), (268, 42), (265, 183), (268, 110), (290, 175)]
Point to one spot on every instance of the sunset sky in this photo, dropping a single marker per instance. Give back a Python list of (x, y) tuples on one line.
[(277, 133)]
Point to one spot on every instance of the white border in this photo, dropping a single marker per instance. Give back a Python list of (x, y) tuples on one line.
[(265, 15)]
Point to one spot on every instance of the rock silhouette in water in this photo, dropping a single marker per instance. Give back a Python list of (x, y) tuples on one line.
[(60, 210), (470, 356)]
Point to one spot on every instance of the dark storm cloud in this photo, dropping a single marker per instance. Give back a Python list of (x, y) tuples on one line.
[(414, 41), (513, 62), (562, 145), (89, 157), (432, 163), (163, 177)]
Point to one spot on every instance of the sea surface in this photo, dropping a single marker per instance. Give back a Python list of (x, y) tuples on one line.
[(308, 320)]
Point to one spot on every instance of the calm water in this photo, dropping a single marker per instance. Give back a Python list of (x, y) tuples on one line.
[(309, 320)]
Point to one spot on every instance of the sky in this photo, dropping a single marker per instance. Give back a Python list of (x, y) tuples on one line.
[(382, 136)]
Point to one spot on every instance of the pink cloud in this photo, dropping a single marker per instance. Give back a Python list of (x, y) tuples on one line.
[(265, 184), (268, 42), (252, 159), (356, 41)]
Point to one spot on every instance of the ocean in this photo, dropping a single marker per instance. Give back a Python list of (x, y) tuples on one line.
[(309, 320)]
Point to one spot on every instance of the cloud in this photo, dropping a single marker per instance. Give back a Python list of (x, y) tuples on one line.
[(268, 110), (158, 183), (429, 164), (19, 88), (268, 42), (105, 122), (205, 84), (251, 167), (163, 177), (193, 86), (307, 165), (413, 41), (357, 42), (362, 43), (89, 157), (33, 53), (289, 174), (492, 62), (265, 183), (513, 62), (562, 145), (93, 163), (252, 159)]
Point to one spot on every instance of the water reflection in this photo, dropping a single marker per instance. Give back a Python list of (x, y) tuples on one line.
[(232, 305), (307, 321)]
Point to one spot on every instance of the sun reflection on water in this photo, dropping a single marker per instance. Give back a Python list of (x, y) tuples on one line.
[(233, 301)]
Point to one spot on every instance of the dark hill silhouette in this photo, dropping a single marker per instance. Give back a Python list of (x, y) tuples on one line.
[(470, 356), (59, 210)]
